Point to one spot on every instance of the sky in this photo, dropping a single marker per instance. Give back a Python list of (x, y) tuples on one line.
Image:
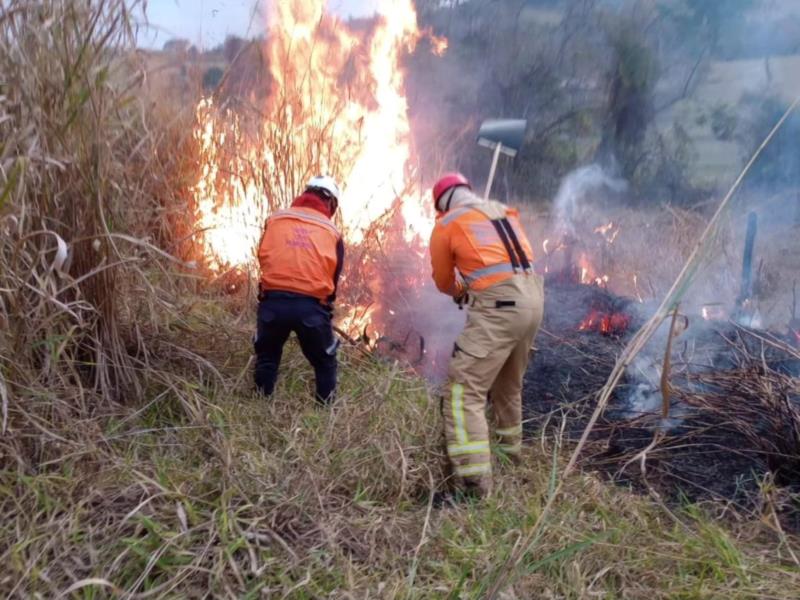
[(206, 23)]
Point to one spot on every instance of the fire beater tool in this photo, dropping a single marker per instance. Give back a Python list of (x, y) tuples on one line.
[(502, 136)]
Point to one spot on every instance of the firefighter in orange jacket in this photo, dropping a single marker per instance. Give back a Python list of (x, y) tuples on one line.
[(301, 255), (481, 256)]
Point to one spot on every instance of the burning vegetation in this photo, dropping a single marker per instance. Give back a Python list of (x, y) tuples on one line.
[(336, 105)]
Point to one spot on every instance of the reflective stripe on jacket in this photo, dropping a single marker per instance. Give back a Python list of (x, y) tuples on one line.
[(301, 251), (484, 241)]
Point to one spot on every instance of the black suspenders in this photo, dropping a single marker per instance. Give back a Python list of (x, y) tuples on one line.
[(516, 254), (501, 232), (523, 259)]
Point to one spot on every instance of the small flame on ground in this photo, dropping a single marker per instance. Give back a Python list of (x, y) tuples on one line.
[(587, 274), (603, 229), (606, 323), (358, 319)]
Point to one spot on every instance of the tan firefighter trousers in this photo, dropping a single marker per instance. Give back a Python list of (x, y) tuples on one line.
[(489, 360)]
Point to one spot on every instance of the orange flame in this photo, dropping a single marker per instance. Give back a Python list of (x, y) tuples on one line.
[(439, 44), (337, 106), (615, 323), (229, 215)]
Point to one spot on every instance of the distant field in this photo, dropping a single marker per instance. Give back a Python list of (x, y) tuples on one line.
[(726, 83)]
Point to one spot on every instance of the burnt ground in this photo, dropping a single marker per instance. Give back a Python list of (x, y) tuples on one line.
[(735, 415)]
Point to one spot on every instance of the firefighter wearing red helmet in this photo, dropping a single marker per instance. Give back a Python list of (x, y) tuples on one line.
[(301, 256), (481, 256)]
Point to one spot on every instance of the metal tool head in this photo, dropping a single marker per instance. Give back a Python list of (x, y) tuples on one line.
[(509, 133)]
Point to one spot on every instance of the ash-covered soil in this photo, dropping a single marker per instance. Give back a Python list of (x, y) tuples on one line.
[(734, 416), (569, 365)]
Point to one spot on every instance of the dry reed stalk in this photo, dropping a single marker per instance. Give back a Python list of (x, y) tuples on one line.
[(84, 190), (666, 387), (755, 400)]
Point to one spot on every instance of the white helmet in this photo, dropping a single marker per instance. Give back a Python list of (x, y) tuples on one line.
[(324, 184)]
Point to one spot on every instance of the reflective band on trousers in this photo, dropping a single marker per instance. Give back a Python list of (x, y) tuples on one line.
[(477, 469), (510, 449), (492, 270), (516, 430), (457, 405), (473, 448)]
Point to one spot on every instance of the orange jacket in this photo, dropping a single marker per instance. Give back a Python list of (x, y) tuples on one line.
[(484, 241), (301, 251)]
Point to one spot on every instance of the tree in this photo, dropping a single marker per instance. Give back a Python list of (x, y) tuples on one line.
[(704, 21), (176, 45), (506, 61), (232, 46), (779, 163), (630, 99)]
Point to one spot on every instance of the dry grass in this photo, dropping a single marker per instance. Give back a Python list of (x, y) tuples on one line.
[(244, 497), (82, 187), (758, 397), (667, 233), (234, 496)]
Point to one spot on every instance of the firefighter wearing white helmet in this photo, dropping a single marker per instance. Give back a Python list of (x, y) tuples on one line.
[(327, 187), (301, 255)]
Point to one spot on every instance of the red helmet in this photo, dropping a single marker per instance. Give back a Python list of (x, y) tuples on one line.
[(446, 182)]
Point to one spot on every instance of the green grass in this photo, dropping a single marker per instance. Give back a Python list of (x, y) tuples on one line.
[(246, 497)]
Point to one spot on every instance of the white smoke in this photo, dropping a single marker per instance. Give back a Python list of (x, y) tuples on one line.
[(645, 399), (577, 197), (439, 321)]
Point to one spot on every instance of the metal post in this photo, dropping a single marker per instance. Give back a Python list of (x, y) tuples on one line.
[(495, 158)]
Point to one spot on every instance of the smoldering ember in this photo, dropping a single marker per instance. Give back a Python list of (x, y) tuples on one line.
[(271, 299)]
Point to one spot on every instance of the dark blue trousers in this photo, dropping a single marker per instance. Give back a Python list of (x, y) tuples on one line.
[(280, 314)]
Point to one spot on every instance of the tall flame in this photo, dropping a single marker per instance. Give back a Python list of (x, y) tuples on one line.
[(229, 214), (336, 106)]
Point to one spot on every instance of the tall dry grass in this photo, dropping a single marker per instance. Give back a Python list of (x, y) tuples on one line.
[(82, 181)]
